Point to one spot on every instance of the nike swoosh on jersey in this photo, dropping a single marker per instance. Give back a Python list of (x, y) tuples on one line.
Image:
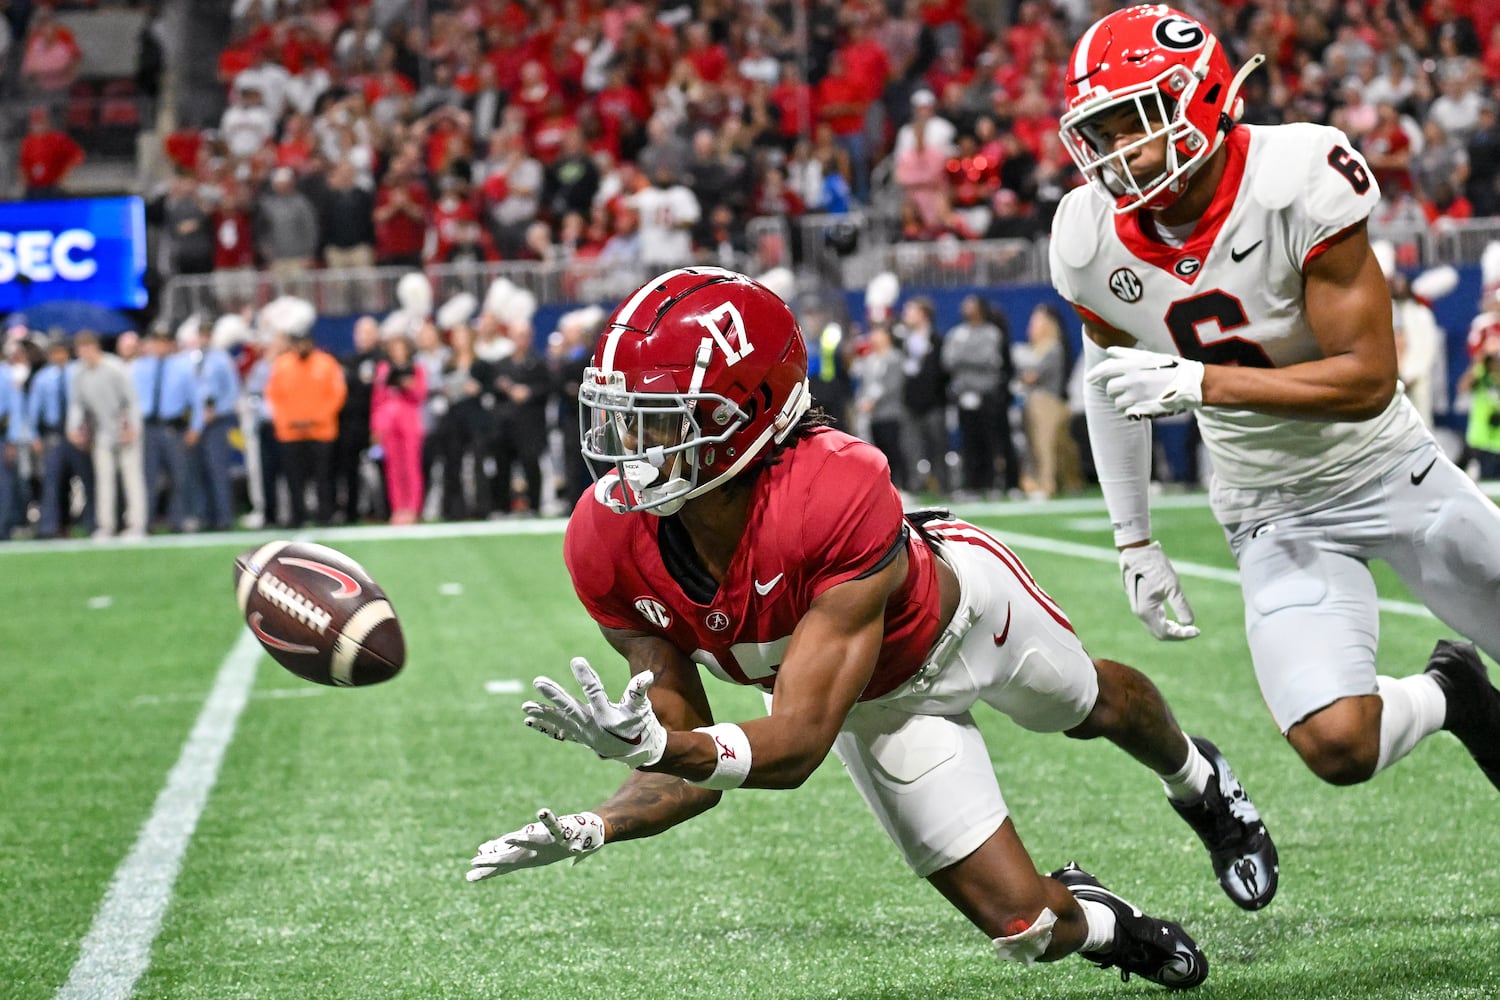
[(1239, 255), (1417, 477), (765, 588), (1004, 633)]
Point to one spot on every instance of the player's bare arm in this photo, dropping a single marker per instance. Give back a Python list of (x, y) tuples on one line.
[(649, 803), (1349, 311), (827, 666)]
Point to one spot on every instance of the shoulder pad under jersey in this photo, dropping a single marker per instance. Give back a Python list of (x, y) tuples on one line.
[(1284, 158), (1075, 227)]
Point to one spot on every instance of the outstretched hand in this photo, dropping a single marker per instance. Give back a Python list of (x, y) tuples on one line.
[(550, 839), (627, 730)]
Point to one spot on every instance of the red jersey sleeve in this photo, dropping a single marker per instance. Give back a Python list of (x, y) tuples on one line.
[(593, 564), (852, 515)]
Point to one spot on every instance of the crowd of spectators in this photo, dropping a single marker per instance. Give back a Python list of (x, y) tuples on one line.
[(654, 131)]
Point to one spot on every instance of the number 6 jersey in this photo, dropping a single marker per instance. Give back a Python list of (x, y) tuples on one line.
[(1232, 294)]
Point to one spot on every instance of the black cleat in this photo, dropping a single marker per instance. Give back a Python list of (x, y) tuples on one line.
[(1227, 822), (1473, 703), (1158, 950)]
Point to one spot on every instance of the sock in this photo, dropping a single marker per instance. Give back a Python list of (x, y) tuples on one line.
[(1189, 780), (1414, 707), (1101, 926)]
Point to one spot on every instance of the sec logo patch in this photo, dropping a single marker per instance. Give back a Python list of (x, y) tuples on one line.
[(654, 611), (1126, 286)]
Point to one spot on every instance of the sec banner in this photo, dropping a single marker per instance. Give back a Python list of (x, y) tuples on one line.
[(92, 249)]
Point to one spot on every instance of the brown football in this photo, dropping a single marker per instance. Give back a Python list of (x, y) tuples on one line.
[(319, 614)]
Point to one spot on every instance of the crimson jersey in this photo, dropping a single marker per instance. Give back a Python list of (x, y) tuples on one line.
[(824, 514)]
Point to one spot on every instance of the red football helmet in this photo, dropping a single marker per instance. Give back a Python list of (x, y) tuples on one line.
[(1172, 72), (696, 376)]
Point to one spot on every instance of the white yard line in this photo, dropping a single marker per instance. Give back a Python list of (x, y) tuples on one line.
[(117, 948), (1099, 553)]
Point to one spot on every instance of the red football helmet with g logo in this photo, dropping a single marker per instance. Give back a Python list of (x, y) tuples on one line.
[(1173, 73), (696, 376)]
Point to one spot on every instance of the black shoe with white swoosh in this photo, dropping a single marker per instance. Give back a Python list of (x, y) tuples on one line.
[(1158, 950), (1243, 854)]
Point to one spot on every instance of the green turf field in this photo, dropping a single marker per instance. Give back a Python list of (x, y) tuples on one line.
[(329, 856)]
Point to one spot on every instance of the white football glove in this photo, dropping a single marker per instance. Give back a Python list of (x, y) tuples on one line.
[(627, 730), (1148, 384), (552, 838), (1151, 584)]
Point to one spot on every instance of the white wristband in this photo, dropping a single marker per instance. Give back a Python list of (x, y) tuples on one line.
[(732, 760)]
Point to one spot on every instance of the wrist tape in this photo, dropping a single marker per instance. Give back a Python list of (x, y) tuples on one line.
[(732, 759)]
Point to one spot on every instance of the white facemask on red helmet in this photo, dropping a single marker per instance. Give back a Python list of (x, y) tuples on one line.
[(698, 374), (1171, 72)]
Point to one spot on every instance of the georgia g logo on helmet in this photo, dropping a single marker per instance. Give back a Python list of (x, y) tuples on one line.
[(1178, 33)]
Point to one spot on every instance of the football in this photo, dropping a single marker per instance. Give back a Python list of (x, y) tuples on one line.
[(319, 614)]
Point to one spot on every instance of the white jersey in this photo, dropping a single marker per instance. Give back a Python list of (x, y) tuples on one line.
[(1233, 294), (666, 214)]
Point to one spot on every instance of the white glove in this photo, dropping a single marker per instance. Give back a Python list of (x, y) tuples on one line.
[(1151, 584), (1148, 384), (627, 730), (550, 839)]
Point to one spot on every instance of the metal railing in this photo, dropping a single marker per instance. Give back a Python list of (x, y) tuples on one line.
[(812, 241)]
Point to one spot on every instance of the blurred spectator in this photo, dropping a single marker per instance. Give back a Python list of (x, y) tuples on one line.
[(234, 251), (1387, 147), (512, 187), (842, 101), (401, 208), (1009, 219), (667, 210), (104, 416), (976, 357), (286, 227), (465, 429), (880, 379), (1457, 108), (922, 172), (1419, 340), (172, 411), (1440, 161), (353, 438), (572, 180), (247, 124), (50, 59), (48, 155), (61, 460), (305, 391), (15, 436), (523, 383), (719, 238), (347, 227), (925, 394), (715, 174), (1483, 158), (189, 237), (1482, 382), (347, 220), (218, 387), (1044, 369), (396, 403)]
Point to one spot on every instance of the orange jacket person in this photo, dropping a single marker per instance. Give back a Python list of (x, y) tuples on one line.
[(306, 391)]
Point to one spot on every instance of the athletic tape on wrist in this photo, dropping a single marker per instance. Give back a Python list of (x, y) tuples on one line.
[(732, 760)]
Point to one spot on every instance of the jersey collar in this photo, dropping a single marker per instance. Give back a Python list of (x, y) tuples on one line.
[(1186, 262)]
